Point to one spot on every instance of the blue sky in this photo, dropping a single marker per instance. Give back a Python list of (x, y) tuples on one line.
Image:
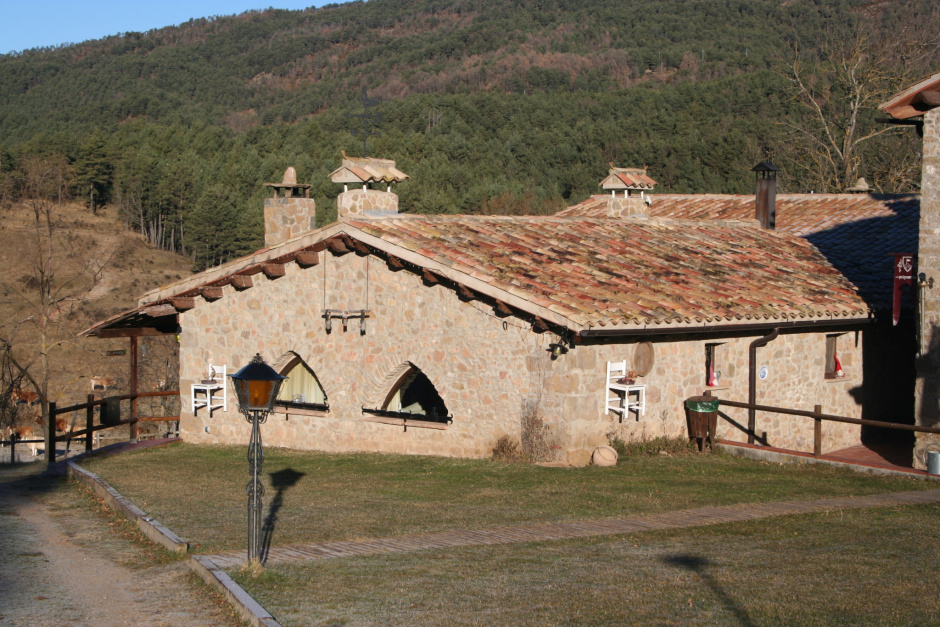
[(35, 23)]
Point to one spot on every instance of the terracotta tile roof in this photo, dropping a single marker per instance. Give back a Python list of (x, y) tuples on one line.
[(628, 178), (856, 232), (621, 273), (585, 273), (915, 100), (367, 170)]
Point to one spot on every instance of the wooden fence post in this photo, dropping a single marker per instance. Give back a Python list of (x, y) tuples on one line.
[(89, 423), (134, 377), (817, 432), (12, 448), (50, 428)]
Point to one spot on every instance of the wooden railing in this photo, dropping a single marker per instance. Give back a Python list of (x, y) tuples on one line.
[(90, 428), (819, 417)]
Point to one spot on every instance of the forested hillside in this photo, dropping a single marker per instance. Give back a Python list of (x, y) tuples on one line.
[(491, 106)]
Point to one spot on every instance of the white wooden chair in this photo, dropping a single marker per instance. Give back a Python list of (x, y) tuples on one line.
[(211, 393), (619, 397)]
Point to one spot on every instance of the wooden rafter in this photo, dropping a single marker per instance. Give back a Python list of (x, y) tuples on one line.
[(273, 270), (502, 309), (539, 325), (337, 246), (183, 303), (241, 282), (430, 277), (307, 258), (465, 294), (395, 264), (211, 292)]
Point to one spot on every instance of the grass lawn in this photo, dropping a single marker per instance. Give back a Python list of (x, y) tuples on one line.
[(858, 567), (199, 491)]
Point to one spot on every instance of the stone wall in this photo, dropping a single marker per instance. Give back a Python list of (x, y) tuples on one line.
[(287, 218), (622, 207), (486, 368), (356, 202), (927, 388)]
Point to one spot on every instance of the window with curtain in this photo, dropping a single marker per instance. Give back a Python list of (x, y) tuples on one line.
[(301, 389)]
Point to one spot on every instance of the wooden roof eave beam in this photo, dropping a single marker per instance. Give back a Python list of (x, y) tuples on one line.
[(222, 274), (467, 281)]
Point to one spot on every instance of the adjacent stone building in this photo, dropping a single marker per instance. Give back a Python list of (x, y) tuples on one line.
[(919, 105), (440, 334)]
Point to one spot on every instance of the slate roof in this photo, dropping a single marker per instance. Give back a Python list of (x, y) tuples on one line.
[(857, 233)]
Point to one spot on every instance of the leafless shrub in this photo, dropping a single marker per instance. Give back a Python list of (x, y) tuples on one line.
[(539, 443), (507, 450)]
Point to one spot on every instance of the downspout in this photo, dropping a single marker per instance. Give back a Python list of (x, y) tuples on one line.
[(752, 380)]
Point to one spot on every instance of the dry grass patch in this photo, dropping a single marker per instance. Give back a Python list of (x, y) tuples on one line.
[(860, 567), (199, 491)]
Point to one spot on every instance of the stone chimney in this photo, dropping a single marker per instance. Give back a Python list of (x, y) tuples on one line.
[(634, 185), (766, 194), (290, 213), (366, 202)]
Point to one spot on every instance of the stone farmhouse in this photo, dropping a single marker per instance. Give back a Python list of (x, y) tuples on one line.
[(440, 334)]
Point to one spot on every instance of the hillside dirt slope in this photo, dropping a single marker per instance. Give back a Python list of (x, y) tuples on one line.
[(130, 267)]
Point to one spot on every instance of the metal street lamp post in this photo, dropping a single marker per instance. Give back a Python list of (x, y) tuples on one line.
[(256, 386)]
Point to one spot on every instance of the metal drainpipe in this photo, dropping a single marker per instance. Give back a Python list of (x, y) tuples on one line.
[(752, 380)]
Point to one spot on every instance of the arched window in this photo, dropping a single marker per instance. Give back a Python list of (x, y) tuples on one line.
[(301, 389), (415, 396)]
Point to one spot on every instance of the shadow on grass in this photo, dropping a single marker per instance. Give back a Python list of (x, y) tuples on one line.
[(698, 566), (280, 480)]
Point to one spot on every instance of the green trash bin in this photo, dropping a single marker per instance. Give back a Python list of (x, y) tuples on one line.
[(702, 414)]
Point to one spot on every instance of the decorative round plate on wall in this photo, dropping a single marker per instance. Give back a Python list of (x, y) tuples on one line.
[(643, 358)]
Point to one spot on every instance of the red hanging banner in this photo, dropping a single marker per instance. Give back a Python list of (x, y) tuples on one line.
[(903, 275)]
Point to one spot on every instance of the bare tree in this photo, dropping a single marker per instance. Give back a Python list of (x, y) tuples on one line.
[(838, 86), (59, 270)]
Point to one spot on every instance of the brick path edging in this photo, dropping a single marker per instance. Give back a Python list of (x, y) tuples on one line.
[(246, 606), (152, 528)]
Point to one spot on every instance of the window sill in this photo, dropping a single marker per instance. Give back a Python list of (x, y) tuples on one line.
[(712, 388), (287, 412), (406, 422)]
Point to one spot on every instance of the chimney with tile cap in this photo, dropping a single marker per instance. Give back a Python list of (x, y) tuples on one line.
[(766, 194), (366, 202), (290, 213), (635, 184)]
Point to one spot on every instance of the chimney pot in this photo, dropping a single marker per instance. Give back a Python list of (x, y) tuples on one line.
[(766, 194)]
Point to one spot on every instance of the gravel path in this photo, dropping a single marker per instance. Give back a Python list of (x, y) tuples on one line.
[(62, 563)]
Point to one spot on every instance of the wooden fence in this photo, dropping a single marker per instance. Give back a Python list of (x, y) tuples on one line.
[(90, 428), (819, 417)]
